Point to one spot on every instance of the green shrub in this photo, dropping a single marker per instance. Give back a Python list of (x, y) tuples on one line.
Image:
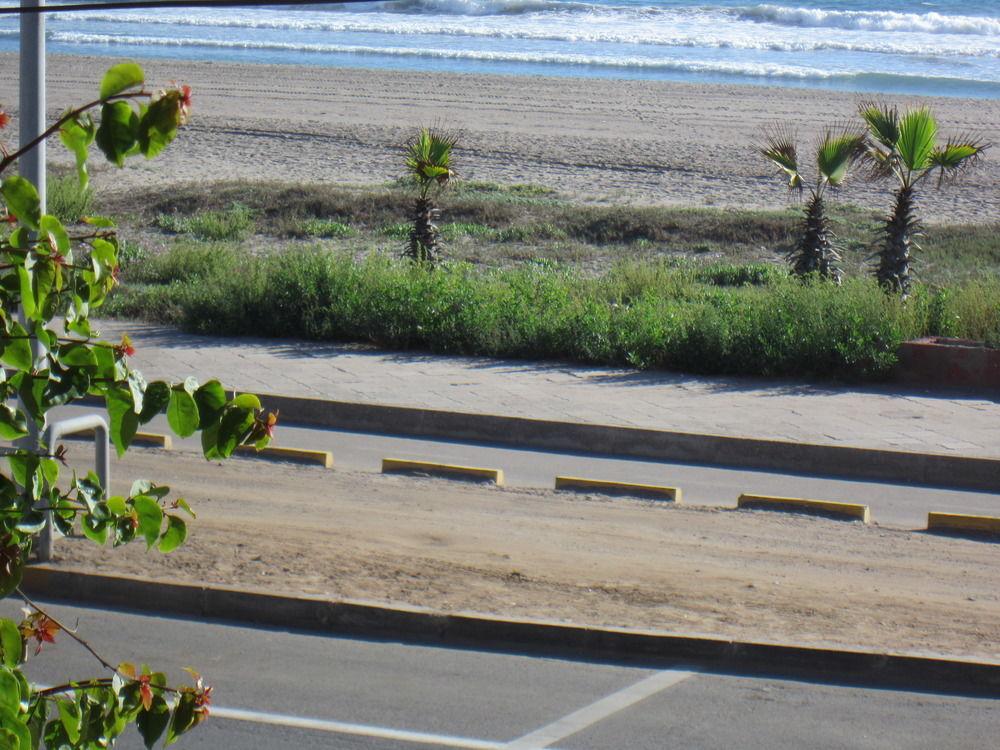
[(747, 274), (679, 316)]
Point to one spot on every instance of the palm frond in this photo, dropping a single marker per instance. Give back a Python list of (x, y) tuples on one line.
[(882, 122), (917, 137), (954, 157), (428, 157), (837, 153), (779, 149)]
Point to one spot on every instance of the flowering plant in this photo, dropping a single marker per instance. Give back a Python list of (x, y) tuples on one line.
[(52, 278)]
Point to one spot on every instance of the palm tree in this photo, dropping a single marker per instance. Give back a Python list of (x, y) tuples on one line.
[(906, 148), (428, 163), (815, 252)]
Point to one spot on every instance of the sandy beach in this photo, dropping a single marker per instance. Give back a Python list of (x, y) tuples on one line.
[(611, 141)]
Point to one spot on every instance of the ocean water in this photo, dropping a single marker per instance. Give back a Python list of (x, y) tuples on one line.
[(938, 47)]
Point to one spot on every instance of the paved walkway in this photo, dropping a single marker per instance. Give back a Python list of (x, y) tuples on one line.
[(866, 417)]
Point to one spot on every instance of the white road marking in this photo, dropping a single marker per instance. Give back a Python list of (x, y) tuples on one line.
[(598, 711), (363, 730)]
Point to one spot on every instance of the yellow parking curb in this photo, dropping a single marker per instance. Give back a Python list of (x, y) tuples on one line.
[(154, 439), (957, 522), (302, 455), (671, 494), (403, 466), (850, 511)]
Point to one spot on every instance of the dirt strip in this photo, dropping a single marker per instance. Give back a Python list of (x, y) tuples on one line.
[(748, 575)]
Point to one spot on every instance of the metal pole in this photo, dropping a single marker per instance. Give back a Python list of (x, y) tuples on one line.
[(32, 96), (32, 164)]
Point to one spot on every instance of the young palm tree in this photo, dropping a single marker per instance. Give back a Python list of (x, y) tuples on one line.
[(816, 251), (428, 163), (906, 148)]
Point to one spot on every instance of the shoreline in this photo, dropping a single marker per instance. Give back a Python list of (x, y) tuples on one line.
[(595, 140)]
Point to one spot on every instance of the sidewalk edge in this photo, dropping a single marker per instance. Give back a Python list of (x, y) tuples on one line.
[(753, 453), (416, 625)]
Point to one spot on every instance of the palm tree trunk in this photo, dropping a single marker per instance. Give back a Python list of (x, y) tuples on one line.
[(901, 230), (815, 252), (424, 235)]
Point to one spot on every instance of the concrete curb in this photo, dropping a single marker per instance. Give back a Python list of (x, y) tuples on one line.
[(960, 524), (415, 625), (277, 453), (445, 471), (826, 508), (936, 469), (628, 489)]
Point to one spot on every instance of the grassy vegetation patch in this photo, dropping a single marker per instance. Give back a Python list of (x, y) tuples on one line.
[(496, 225), (679, 315), (66, 200), (234, 222)]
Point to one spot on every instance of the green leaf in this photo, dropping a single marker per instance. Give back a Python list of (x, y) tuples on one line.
[(96, 530), (152, 723), (150, 518), (145, 487), (120, 78), (13, 725), (17, 351), (117, 505), (174, 536), (10, 690), (156, 399), (11, 579), (211, 399), (77, 135), (22, 200), (48, 468), (124, 422), (11, 644), (183, 719), (49, 226), (102, 222), (137, 387), (233, 427), (183, 505), (117, 134), (158, 125), (76, 355), (182, 413), (246, 401), (28, 302), (71, 719), (22, 466), (13, 425)]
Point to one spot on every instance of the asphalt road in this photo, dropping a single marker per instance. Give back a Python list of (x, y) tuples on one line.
[(278, 689), (892, 504)]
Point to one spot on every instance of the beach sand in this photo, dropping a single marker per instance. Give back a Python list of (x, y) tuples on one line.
[(629, 142)]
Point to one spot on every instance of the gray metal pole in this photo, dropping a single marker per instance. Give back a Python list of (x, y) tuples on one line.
[(31, 115), (31, 124)]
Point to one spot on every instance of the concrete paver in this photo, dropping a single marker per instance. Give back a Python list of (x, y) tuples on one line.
[(871, 416)]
